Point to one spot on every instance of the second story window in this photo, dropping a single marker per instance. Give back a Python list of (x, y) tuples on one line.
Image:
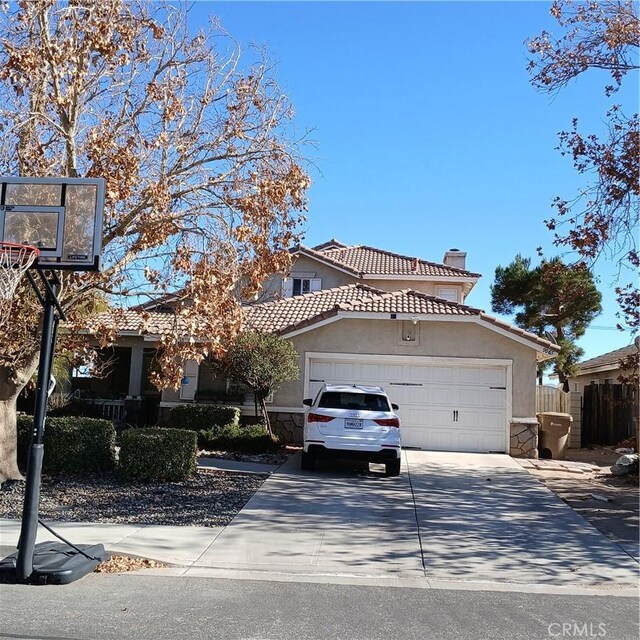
[(298, 286), (448, 293), (301, 285)]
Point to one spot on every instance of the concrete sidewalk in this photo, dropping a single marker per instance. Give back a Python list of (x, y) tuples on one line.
[(236, 466), (180, 546), (173, 545)]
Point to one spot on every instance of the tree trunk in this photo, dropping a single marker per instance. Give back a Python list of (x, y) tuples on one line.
[(9, 440), (265, 415), (562, 376), (10, 388)]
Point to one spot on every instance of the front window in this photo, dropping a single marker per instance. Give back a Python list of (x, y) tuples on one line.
[(356, 401)]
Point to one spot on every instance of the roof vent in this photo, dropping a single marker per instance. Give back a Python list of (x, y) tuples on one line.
[(455, 258)]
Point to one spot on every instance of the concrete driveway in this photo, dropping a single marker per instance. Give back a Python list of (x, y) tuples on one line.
[(483, 517), (449, 516)]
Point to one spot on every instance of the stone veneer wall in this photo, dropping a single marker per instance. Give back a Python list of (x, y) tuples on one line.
[(524, 439), (287, 426)]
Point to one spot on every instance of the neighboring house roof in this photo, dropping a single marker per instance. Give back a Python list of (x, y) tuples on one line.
[(331, 244), (607, 361), (162, 303), (289, 315), (363, 261)]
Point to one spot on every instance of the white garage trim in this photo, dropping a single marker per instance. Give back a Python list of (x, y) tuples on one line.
[(316, 325), (422, 361)]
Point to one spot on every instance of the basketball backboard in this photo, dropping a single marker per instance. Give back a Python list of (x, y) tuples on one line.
[(62, 217)]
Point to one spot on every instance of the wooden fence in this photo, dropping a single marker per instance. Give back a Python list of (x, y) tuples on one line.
[(608, 413), (549, 398)]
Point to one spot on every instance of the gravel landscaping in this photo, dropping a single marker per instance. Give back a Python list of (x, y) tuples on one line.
[(209, 499)]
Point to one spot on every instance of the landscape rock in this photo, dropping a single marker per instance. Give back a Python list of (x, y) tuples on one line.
[(625, 465)]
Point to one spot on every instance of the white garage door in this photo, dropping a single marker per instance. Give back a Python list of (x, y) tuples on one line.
[(445, 405)]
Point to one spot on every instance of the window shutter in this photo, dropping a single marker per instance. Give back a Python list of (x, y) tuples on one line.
[(189, 384), (315, 284), (287, 288)]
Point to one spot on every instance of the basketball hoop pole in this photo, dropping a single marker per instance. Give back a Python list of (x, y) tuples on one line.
[(47, 224), (46, 562), (29, 527)]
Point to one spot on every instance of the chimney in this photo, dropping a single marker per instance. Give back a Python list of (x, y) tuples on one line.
[(455, 258)]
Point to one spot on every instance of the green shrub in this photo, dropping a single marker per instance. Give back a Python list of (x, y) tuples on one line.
[(231, 437), (158, 455), (202, 417), (71, 444), (204, 437)]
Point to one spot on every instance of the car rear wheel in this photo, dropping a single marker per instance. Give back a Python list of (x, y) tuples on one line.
[(308, 461), (392, 468)]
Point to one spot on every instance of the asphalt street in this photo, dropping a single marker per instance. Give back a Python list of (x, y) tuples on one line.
[(106, 606)]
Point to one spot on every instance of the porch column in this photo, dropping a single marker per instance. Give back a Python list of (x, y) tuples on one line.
[(135, 371)]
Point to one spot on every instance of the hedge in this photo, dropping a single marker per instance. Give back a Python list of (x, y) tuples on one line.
[(71, 444), (158, 455), (231, 437), (202, 417)]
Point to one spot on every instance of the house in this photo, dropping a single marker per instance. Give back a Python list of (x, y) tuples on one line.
[(464, 380), (603, 369), (605, 411)]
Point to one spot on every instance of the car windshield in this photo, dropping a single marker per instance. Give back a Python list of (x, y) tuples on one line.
[(358, 401)]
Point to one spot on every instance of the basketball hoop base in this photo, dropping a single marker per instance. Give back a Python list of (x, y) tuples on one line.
[(57, 563)]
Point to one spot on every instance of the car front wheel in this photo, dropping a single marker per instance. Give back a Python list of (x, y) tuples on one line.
[(392, 468)]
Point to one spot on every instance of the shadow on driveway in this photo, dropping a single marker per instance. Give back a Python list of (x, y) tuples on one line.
[(334, 521), (481, 518)]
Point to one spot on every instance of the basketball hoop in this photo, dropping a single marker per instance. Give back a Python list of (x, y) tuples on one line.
[(15, 259)]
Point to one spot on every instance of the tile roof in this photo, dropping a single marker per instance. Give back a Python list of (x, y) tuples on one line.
[(141, 322), (290, 314), (369, 261), (610, 359)]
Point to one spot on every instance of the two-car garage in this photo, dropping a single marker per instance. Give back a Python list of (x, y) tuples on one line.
[(454, 404)]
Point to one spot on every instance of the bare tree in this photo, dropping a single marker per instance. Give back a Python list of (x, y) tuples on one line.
[(205, 190), (604, 216)]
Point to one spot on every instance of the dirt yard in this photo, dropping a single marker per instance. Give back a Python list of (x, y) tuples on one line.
[(609, 503)]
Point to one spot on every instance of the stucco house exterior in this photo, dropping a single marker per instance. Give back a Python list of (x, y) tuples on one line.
[(464, 380)]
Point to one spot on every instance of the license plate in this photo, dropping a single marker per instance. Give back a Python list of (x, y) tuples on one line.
[(352, 423)]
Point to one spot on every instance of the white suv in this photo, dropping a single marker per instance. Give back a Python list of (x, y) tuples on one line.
[(352, 422)]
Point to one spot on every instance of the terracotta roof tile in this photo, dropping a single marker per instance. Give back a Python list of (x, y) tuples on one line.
[(369, 261), (289, 314), (409, 301), (136, 321)]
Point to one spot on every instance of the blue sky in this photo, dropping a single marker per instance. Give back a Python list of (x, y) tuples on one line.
[(428, 133)]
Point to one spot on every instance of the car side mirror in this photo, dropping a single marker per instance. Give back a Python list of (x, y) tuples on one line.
[(307, 402), (395, 407)]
